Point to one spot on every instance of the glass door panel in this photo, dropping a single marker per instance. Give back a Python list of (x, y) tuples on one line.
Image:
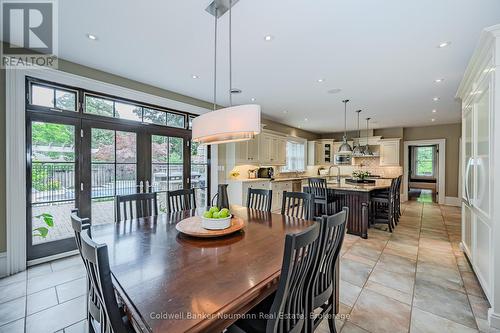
[(468, 156), (113, 170), (52, 172), (199, 173), (167, 167)]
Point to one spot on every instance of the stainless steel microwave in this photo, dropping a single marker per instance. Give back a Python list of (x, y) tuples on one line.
[(342, 159)]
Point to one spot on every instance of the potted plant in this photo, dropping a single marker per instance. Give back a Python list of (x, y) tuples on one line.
[(360, 175)]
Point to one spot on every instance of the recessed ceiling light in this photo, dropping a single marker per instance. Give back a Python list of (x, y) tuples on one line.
[(92, 37), (195, 77), (438, 80), (444, 44), (299, 126), (435, 99), (305, 119), (268, 38), (433, 120), (253, 99), (434, 111), (320, 80)]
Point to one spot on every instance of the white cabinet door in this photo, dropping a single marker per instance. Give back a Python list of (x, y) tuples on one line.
[(253, 150), (281, 151), (482, 153), (389, 153), (265, 149)]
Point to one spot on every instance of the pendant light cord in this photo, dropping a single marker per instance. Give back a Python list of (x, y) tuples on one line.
[(215, 61), (230, 58)]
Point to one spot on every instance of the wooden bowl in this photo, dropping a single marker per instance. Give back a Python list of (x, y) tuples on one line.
[(192, 226)]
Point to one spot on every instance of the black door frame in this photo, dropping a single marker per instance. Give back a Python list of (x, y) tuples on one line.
[(82, 120), (58, 246)]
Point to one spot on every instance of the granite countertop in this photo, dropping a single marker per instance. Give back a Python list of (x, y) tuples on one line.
[(379, 185), (287, 179)]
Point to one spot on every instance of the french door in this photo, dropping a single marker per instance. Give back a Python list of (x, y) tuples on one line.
[(53, 175)]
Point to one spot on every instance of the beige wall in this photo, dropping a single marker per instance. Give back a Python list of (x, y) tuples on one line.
[(84, 71)]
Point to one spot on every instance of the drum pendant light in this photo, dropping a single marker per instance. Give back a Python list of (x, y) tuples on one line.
[(345, 148), (233, 123)]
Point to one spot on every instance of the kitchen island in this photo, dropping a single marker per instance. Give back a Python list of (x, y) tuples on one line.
[(357, 198)]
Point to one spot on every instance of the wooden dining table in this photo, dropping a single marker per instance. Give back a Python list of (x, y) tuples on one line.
[(171, 282)]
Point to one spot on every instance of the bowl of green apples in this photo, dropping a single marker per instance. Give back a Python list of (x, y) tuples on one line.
[(216, 219)]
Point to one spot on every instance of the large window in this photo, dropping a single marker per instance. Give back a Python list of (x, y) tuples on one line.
[(424, 161), (295, 155)]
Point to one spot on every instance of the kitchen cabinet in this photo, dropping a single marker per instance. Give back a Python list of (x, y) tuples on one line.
[(264, 149), (389, 152), (320, 152), (247, 152), (480, 95), (278, 187), (272, 149), (237, 190)]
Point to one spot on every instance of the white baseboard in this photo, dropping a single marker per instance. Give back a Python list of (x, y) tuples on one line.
[(51, 258), (3, 264), (452, 201), (493, 319)]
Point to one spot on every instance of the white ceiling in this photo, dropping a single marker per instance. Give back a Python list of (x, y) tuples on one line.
[(382, 54)]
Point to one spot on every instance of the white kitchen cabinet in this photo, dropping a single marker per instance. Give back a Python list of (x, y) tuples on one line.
[(278, 187), (480, 95), (237, 190), (315, 153), (264, 149), (272, 149), (389, 152), (247, 152)]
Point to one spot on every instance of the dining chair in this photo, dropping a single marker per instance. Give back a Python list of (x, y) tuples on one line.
[(145, 205), (323, 289), (298, 204), (83, 225), (285, 310), (112, 317), (259, 199), (318, 187), (181, 200)]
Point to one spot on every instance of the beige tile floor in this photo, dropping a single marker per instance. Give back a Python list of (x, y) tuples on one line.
[(413, 280)]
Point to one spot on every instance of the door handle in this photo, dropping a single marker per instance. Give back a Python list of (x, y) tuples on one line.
[(466, 187)]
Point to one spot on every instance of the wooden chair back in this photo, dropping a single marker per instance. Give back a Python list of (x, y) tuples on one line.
[(317, 186), (181, 200), (332, 233), (288, 311), (95, 257), (259, 199), (298, 204), (136, 205)]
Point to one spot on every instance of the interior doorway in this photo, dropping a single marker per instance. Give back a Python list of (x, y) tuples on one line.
[(424, 170), (423, 173)]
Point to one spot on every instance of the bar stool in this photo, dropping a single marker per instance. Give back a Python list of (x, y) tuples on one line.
[(383, 206), (317, 186)]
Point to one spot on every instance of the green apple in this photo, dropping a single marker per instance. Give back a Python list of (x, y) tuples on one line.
[(216, 215), (223, 214), (214, 209), (207, 215), (226, 211)]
